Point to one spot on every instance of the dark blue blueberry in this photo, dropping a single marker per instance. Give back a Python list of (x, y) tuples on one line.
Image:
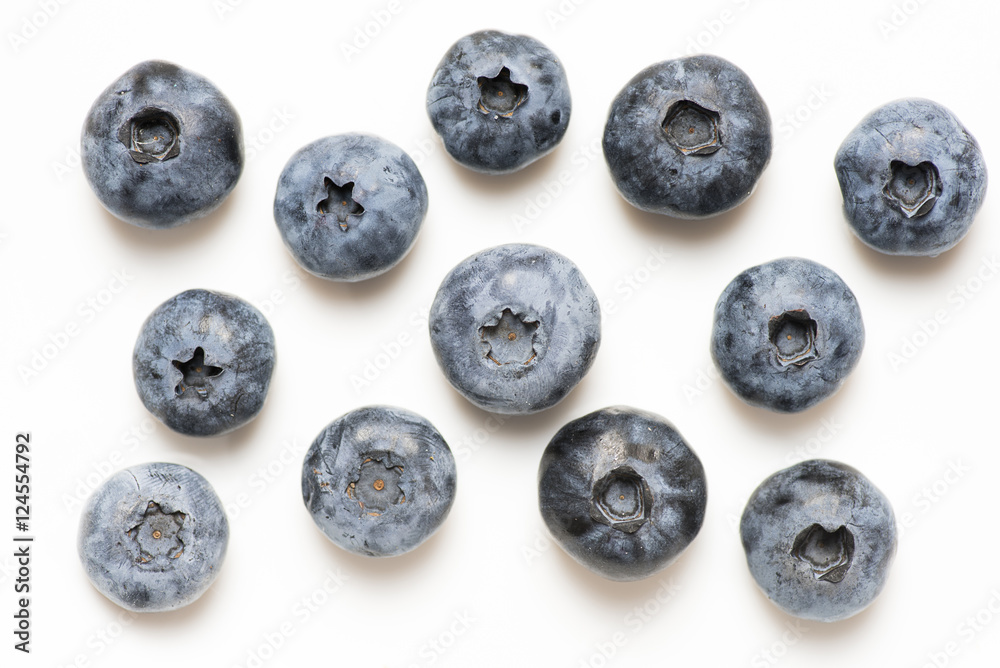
[(912, 177), (819, 539), (688, 138), (349, 206), (622, 492), (786, 334), (203, 362), (515, 328), (161, 146), (379, 481), (153, 537), (499, 101)]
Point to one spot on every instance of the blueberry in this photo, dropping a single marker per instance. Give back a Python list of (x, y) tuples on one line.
[(819, 539), (912, 177), (688, 138), (153, 537), (349, 206), (161, 146), (622, 492), (379, 481), (203, 361), (499, 101), (515, 328), (786, 334)]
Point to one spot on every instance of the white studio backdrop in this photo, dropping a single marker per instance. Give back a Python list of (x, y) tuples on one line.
[(917, 416)]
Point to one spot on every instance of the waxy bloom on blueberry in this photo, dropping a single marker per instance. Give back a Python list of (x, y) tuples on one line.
[(153, 537), (161, 146), (515, 328), (688, 138), (203, 361), (499, 101), (379, 481), (622, 492), (912, 177), (786, 334), (819, 540)]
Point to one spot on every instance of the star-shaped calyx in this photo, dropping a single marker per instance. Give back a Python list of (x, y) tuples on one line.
[(339, 202), (196, 374)]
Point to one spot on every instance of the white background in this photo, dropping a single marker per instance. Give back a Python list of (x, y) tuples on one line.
[(489, 588)]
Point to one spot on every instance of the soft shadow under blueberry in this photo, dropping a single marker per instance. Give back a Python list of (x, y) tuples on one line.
[(502, 185), (909, 267), (402, 567), (368, 289), (692, 231), (633, 592), (788, 425), (168, 240)]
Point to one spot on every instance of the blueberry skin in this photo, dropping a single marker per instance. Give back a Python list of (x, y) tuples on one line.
[(203, 361), (171, 183), (384, 206), (826, 573), (500, 140), (904, 134), (653, 173), (619, 452), (153, 537), (379, 481), (527, 292), (789, 297)]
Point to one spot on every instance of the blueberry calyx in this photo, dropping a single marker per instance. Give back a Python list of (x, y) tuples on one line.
[(151, 135), (339, 202), (376, 486), (913, 189), (621, 500), (157, 535), (196, 374), (793, 335), (509, 339), (828, 553), (692, 129), (499, 95)]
